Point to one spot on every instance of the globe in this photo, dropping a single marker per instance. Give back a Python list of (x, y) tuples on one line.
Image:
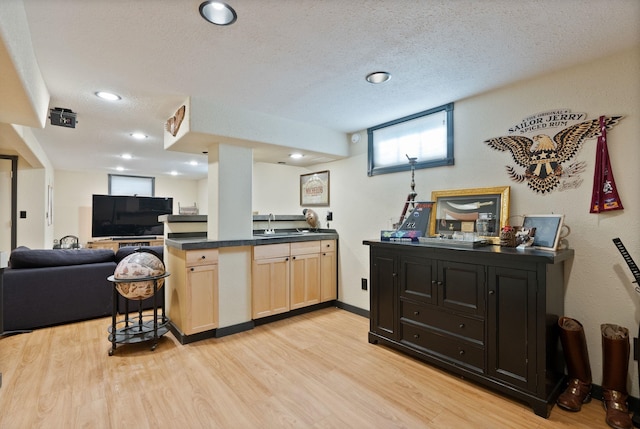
[(136, 267)]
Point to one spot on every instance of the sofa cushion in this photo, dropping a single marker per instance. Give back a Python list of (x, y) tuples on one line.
[(23, 257), (123, 252)]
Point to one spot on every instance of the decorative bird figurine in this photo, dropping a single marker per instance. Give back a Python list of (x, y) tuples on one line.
[(542, 157), (312, 218)]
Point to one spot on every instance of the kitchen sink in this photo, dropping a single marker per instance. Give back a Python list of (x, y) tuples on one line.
[(282, 233)]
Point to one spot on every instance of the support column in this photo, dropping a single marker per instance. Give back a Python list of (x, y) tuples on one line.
[(230, 218), (230, 182)]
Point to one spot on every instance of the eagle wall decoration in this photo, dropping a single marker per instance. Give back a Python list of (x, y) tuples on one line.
[(543, 156)]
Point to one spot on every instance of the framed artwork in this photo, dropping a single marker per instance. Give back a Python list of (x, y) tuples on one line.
[(548, 227), (483, 211), (314, 189)]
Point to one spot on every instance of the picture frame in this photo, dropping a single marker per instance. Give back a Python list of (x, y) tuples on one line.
[(315, 189), (548, 228), (457, 210)]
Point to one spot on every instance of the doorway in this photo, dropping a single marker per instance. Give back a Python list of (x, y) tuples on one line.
[(8, 201)]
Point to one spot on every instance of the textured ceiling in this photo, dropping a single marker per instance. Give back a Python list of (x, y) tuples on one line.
[(304, 60)]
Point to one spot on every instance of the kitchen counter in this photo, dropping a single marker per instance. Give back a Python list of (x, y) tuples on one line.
[(281, 236), (212, 291)]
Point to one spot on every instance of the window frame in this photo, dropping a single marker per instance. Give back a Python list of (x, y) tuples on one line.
[(448, 160), (152, 184)]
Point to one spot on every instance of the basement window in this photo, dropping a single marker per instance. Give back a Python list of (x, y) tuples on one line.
[(427, 136), (141, 186)]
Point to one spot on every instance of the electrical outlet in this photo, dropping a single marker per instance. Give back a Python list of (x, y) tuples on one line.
[(329, 216), (363, 284)]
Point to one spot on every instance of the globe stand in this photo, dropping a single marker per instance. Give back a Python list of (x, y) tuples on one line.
[(140, 329)]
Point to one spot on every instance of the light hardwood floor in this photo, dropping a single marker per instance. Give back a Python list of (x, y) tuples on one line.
[(311, 371)]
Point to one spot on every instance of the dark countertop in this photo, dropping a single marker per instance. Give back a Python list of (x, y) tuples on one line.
[(182, 218), (531, 254), (203, 218), (194, 243)]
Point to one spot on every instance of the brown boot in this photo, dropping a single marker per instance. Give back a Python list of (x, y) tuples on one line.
[(574, 345), (615, 365)]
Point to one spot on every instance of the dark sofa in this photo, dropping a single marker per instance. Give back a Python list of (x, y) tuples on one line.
[(46, 287)]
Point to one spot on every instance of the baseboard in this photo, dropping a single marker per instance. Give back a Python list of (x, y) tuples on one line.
[(235, 329), (352, 309), (291, 313)]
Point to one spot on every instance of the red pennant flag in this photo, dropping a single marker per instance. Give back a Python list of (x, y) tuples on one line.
[(604, 196)]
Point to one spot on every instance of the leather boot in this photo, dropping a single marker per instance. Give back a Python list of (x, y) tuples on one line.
[(615, 365), (574, 345)]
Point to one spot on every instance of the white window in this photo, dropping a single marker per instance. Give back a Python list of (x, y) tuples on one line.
[(427, 136), (131, 185)]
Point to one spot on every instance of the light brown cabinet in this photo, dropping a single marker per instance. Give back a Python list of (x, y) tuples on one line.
[(192, 292), (328, 271), (305, 274), (270, 280), (289, 276)]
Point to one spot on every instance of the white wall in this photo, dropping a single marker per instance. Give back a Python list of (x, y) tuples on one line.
[(34, 230), (276, 189), (73, 192)]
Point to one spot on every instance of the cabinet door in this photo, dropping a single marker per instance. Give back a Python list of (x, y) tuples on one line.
[(461, 287), (270, 287), (328, 276), (202, 298), (511, 340), (305, 280), (417, 280), (384, 318)]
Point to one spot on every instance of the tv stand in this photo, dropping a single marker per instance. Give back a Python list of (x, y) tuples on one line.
[(117, 242)]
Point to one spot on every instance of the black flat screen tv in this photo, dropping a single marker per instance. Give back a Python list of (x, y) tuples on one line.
[(128, 216)]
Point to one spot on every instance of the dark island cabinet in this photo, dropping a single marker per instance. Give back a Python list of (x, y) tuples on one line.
[(487, 314)]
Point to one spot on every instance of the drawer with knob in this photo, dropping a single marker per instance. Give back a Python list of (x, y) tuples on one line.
[(444, 346), (455, 324), (198, 257)]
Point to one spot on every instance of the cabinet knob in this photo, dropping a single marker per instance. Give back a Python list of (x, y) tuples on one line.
[(416, 336), (461, 325), (203, 257), (293, 257), (394, 274), (416, 313), (191, 269), (433, 282), (491, 292), (461, 352), (440, 283), (286, 259)]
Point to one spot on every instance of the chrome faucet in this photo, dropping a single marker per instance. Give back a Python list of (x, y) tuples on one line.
[(270, 230)]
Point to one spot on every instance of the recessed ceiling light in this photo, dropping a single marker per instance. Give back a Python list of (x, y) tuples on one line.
[(120, 168), (217, 12), (194, 163), (174, 173), (378, 77), (126, 156), (138, 136), (108, 96), (296, 156)]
